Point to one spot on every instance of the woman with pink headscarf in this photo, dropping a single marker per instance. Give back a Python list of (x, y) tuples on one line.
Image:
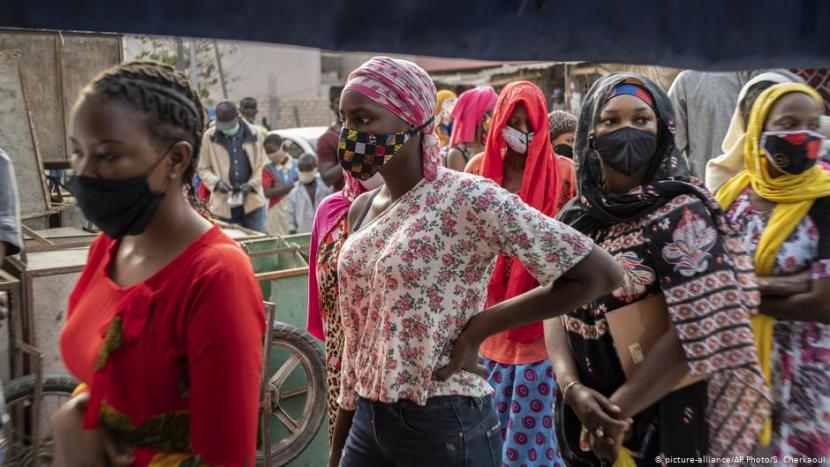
[(413, 276), (471, 116)]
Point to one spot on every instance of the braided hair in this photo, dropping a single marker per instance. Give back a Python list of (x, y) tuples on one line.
[(171, 107)]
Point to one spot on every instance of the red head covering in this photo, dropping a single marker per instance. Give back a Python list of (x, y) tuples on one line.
[(540, 188), (469, 111)]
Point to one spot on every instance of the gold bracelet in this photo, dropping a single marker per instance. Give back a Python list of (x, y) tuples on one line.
[(567, 388)]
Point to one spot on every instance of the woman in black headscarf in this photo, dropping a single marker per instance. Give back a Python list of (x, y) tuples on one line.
[(637, 201)]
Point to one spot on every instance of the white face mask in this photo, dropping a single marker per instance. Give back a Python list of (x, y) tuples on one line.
[(373, 183), (517, 140), (232, 131), (308, 177)]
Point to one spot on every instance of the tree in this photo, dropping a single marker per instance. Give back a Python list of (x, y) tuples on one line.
[(163, 50)]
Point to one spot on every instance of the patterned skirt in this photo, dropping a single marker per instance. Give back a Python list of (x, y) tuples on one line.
[(524, 401)]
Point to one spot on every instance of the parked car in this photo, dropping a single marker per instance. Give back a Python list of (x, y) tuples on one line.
[(299, 141)]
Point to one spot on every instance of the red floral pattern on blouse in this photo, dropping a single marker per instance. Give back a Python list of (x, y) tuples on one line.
[(413, 277)]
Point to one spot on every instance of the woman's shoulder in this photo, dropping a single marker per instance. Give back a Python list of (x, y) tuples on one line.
[(474, 166), (565, 163), (336, 198), (472, 191), (358, 205), (466, 182), (215, 252), (98, 249)]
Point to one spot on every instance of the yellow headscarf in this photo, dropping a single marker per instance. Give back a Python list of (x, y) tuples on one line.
[(443, 95), (793, 195)]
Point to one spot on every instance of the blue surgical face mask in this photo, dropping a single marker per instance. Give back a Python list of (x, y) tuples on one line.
[(232, 131)]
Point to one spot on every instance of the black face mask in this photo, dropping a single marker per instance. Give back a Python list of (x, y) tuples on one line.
[(626, 150), (118, 207), (564, 150), (792, 152)]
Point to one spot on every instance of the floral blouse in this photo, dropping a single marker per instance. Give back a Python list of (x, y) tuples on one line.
[(801, 351), (411, 278)]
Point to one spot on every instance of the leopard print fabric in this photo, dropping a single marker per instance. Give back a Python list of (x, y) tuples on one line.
[(327, 279)]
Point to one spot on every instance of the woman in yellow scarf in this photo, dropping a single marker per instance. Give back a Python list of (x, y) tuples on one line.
[(780, 203), (443, 108)]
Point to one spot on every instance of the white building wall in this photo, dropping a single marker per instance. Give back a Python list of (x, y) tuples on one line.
[(269, 73)]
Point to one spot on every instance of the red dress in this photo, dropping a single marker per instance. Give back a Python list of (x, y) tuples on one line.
[(173, 363)]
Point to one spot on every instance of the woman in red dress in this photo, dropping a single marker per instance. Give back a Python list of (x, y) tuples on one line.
[(165, 326)]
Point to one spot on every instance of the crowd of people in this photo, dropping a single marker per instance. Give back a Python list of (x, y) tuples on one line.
[(477, 268), (433, 359), (246, 177)]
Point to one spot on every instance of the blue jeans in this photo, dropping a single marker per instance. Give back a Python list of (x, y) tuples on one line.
[(254, 220), (449, 431)]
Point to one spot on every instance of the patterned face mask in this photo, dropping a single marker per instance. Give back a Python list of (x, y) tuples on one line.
[(792, 152), (362, 154)]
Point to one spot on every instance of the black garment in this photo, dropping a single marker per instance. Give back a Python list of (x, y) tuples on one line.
[(240, 165)]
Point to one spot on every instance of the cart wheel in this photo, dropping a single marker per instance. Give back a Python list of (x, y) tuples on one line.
[(19, 395), (295, 400)]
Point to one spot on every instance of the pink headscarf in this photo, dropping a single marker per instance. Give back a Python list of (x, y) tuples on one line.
[(469, 111), (329, 213), (407, 91)]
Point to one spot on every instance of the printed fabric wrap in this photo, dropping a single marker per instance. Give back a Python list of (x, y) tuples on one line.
[(713, 328)]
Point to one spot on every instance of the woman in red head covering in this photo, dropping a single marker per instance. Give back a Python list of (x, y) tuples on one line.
[(520, 158)]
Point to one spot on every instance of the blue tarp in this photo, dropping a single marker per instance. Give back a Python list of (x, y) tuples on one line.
[(700, 34)]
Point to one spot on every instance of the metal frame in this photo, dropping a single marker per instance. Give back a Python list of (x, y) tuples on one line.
[(290, 248), (11, 285), (25, 341), (27, 311), (265, 394), (38, 243), (17, 347)]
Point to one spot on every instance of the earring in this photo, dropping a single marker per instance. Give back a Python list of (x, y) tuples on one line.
[(172, 175)]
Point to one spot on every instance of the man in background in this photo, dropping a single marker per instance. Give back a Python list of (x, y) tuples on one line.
[(231, 163), (302, 202), (249, 109), (330, 170), (703, 106)]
